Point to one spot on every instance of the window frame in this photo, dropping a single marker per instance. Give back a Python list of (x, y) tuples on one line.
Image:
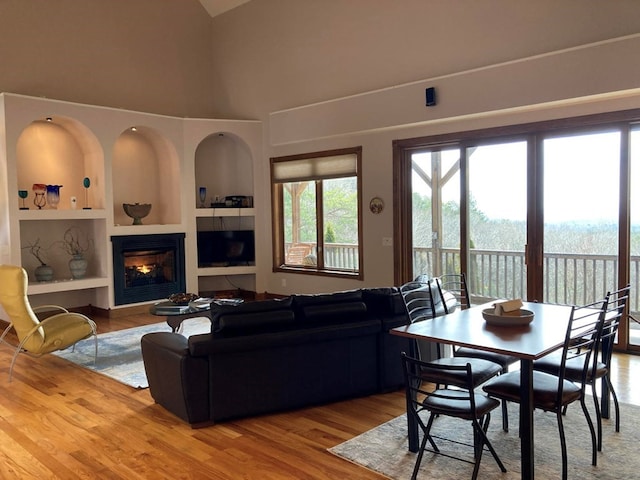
[(278, 211)]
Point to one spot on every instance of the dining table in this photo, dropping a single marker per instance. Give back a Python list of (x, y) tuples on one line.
[(467, 328)]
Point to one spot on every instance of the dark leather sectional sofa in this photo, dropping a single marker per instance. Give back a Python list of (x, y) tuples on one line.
[(274, 355)]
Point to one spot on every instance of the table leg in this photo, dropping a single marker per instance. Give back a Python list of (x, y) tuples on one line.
[(175, 322), (412, 423), (526, 419)]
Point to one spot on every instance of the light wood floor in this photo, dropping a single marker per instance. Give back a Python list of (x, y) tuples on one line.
[(60, 421)]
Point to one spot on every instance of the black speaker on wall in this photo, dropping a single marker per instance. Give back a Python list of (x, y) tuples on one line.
[(430, 94)]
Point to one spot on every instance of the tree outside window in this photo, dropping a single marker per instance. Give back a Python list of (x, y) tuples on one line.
[(317, 212)]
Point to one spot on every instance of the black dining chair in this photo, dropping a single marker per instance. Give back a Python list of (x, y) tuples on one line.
[(552, 392), (421, 305), (456, 285), (457, 400), (616, 305)]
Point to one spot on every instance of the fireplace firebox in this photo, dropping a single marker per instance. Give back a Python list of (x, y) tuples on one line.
[(147, 267)]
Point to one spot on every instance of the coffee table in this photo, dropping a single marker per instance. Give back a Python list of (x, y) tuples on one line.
[(176, 314)]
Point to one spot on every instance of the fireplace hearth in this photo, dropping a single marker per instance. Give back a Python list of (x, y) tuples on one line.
[(147, 267)]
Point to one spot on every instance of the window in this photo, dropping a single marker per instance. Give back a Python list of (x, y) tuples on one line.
[(317, 210)]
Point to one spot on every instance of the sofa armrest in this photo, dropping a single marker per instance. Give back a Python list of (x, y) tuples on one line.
[(177, 381)]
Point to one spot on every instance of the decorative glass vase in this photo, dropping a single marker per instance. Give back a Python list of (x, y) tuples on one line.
[(43, 273), (78, 266), (40, 192), (53, 195)]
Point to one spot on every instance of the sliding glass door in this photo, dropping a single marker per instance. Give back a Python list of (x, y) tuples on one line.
[(435, 187), (545, 212), (581, 209), (497, 226)]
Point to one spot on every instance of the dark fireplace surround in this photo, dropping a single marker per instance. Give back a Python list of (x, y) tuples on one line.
[(148, 267)]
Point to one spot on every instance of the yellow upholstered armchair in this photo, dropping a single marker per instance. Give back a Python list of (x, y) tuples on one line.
[(56, 332)]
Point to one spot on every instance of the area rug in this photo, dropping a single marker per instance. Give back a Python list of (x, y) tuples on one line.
[(384, 449), (119, 352)]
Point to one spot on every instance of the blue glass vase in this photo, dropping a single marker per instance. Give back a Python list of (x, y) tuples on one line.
[(53, 195)]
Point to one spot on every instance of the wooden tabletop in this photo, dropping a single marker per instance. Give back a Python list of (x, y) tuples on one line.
[(467, 328)]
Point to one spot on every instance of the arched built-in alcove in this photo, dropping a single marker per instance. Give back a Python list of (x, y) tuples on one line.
[(224, 166), (146, 169), (61, 151)]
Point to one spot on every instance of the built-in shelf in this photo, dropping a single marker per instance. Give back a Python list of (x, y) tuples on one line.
[(49, 214), (225, 212), (67, 285)]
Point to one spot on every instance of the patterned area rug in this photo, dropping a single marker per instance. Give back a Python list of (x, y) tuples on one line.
[(119, 352), (384, 449)]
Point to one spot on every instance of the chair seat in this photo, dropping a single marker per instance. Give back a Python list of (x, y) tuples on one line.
[(501, 359), (63, 330), (458, 405), (573, 368), (481, 371), (545, 389)]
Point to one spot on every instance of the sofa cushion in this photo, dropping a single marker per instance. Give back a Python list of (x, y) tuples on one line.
[(252, 323), (334, 312), (265, 314), (300, 301), (330, 308), (213, 344), (257, 306)]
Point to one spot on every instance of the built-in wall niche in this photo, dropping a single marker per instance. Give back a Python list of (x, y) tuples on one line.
[(49, 235), (224, 166), (146, 170), (61, 151)]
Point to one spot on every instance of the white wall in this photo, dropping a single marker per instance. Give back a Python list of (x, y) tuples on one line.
[(143, 55)]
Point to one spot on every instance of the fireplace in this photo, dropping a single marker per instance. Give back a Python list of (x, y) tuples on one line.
[(147, 267)]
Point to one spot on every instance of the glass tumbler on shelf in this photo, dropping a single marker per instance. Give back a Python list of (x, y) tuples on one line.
[(23, 194), (202, 191)]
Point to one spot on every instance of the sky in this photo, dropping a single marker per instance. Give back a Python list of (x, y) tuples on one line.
[(581, 178)]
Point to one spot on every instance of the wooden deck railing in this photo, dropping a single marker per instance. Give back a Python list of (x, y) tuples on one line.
[(569, 278)]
